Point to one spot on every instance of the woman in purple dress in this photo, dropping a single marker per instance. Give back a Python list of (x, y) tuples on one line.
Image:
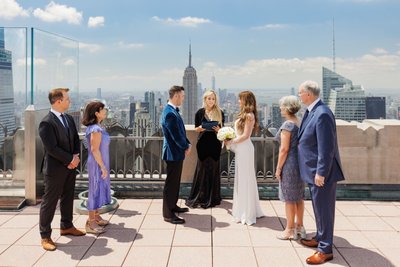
[(98, 165), (291, 186)]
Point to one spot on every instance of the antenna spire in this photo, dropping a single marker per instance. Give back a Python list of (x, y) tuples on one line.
[(190, 53)]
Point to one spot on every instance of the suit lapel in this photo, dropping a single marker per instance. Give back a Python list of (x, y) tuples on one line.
[(58, 122), (308, 119), (181, 124), (66, 132)]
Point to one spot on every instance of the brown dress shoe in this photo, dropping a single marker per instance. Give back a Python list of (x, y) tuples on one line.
[(48, 244), (72, 231), (312, 243), (319, 258)]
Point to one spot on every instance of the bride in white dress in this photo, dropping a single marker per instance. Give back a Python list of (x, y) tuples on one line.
[(246, 204)]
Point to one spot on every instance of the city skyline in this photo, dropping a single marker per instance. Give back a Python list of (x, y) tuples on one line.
[(143, 44)]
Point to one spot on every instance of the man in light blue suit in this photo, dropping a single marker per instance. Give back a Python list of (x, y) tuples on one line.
[(320, 168), (175, 147)]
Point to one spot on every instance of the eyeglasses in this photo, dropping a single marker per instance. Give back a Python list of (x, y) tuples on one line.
[(301, 92)]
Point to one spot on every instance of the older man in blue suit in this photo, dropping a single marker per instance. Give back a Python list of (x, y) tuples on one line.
[(176, 146), (320, 168)]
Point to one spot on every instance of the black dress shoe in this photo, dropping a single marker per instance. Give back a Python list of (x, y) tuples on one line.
[(180, 210), (175, 220)]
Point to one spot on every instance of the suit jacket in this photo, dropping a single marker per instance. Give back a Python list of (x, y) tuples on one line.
[(318, 148), (175, 141), (59, 146)]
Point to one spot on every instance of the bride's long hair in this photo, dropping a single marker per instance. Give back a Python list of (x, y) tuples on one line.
[(249, 105)]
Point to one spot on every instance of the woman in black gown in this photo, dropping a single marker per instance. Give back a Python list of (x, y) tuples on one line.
[(206, 186)]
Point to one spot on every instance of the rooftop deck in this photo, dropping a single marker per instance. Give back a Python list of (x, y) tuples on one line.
[(366, 234)]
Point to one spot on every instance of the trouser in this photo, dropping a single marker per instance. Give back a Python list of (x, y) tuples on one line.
[(57, 187), (171, 187), (323, 201)]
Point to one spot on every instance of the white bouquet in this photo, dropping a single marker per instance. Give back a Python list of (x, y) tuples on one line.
[(226, 133)]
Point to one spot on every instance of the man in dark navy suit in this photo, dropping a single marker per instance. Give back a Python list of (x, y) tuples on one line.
[(60, 140), (320, 168), (175, 147)]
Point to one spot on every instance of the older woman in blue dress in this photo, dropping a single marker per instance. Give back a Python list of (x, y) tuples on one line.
[(291, 186), (98, 165)]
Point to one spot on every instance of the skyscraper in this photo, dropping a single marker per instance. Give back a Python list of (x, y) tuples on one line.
[(150, 98), (276, 116), (190, 84), (348, 103), (7, 117), (132, 112), (375, 107), (98, 95), (330, 81), (199, 94)]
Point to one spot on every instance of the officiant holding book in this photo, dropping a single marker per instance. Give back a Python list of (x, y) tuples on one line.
[(206, 186)]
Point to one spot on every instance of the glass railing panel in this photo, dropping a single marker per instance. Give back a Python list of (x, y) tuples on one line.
[(55, 61), (13, 101), (56, 64)]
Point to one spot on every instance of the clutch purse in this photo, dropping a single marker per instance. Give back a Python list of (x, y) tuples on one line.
[(208, 125)]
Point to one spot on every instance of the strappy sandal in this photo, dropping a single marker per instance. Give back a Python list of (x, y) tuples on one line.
[(100, 221), (93, 230)]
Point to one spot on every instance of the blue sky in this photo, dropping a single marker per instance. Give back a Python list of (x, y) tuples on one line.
[(246, 44)]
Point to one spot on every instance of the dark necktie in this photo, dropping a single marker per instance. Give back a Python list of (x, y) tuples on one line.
[(64, 122), (303, 121), (305, 115), (177, 109)]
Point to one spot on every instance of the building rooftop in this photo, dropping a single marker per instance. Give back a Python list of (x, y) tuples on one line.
[(366, 234)]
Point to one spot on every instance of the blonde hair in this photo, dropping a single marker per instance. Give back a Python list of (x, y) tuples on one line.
[(290, 103), (215, 110), (249, 105)]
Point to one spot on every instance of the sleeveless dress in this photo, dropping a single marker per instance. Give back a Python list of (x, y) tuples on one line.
[(246, 202), (99, 188), (291, 186)]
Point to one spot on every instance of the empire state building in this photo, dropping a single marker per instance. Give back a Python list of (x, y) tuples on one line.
[(190, 84)]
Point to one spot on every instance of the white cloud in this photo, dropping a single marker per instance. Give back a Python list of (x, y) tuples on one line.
[(271, 27), (380, 51), (123, 77), (56, 13), (130, 45), (37, 61), (92, 48), (185, 21), (371, 71), (10, 9), (95, 22), (69, 62)]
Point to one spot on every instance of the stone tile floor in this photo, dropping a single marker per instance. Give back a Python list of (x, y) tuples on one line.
[(366, 234)]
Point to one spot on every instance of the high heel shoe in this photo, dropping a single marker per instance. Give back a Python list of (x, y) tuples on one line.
[(288, 234), (301, 231), (90, 229)]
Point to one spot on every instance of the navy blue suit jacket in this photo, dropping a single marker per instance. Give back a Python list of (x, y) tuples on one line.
[(318, 148), (175, 141)]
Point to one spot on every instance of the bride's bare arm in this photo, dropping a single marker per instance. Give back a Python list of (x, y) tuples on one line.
[(248, 129)]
